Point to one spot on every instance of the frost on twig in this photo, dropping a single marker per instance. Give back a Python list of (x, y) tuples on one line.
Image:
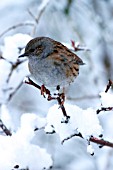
[(4, 128), (16, 167), (99, 141), (12, 71), (106, 99), (17, 150), (15, 70), (104, 109), (81, 123)]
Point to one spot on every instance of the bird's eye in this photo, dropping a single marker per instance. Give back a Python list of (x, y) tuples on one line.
[(32, 50)]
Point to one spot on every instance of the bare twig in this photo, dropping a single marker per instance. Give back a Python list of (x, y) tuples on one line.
[(78, 47), (16, 26), (31, 14), (36, 19), (30, 82), (14, 66), (110, 83), (101, 142), (104, 109), (4, 128), (71, 136), (92, 139), (2, 58), (58, 98), (86, 97), (15, 90), (42, 128)]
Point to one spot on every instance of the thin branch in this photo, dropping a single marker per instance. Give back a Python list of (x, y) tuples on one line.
[(14, 66), (104, 109), (58, 98), (2, 58), (110, 83), (15, 90), (101, 142), (71, 136), (36, 19), (31, 14), (4, 128), (77, 47), (30, 82), (88, 97), (17, 167), (91, 139), (16, 26), (42, 128)]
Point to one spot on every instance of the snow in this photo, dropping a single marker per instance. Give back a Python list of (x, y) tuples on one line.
[(86, 24), (6, 117), (81, 121), (90, 149), (25, 80), (106, 99), (19, 150), (3, 78), (10, 50)]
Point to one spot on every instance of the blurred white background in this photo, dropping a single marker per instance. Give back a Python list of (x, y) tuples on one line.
[(88, 22)]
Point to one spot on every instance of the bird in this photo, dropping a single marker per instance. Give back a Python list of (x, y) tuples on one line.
[(51, 63)]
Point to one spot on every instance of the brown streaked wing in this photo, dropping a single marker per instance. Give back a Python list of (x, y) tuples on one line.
[(66, 54)]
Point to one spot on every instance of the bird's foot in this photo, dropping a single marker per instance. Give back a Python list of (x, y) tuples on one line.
[(44, 91)]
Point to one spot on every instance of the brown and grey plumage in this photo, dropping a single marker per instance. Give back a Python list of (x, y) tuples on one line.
[(51, 63)]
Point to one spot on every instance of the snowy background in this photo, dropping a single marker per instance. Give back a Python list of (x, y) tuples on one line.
[(23, 109)]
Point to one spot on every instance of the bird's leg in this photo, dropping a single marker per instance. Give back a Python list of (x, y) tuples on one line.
[(62, 96), (61, 100)]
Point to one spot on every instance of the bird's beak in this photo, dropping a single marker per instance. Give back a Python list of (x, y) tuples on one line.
[(23, 55)]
